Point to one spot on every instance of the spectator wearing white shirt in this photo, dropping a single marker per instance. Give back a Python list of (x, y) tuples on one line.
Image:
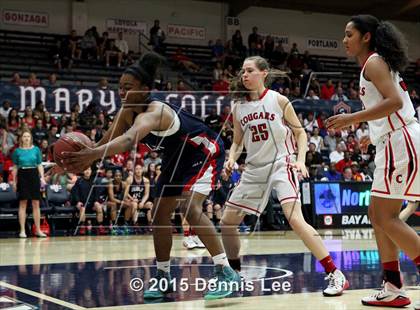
[(330, 141), (5, 109), (312, 95), (339, 95), (121, 44), (338, 154), (317, 140), (362, 131), (310, 123)]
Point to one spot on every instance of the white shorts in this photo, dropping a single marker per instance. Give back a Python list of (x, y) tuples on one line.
[(253, 191), (397, 164)]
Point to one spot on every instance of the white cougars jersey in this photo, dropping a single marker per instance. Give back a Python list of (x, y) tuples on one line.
[(370, 96), (266, 137)]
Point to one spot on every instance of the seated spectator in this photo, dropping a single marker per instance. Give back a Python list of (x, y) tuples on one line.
[(312, 156), (51, 81), (332, 174), (157, 36), (327, 90), (28, 117), (268, 47), (347, 174), (74, 45), (13, 122), (310, 123), (16, 80), (357, 176), (254, 42), (317, 140), (363, 131), (102, 44), (218, 51), (168, 87), (5, 109), (153, 158), (295, 93), (339, 95), (214, 121), (128, 168), (122, 45), (113, 51), (116, 189), (295, 64), (217, 71), (227, 114), (53, 134), (312, 95), (356, 155), (353, 94), (82, 198), (221, 86), (345, 162), (351, 143), (88, 45), (279, 56), (181, 87), (184, 61), (338, 154), (39, 133), (33, 81)]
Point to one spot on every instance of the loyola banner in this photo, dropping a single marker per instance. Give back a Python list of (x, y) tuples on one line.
[(60, 100)]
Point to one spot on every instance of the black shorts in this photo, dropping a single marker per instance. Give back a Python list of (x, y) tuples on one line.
[(196, 173)]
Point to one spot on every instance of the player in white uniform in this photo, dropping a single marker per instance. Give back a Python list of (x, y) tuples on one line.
[(260, 124), (379, 48)]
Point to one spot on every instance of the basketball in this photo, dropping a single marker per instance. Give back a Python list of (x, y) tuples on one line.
[(71, 142)]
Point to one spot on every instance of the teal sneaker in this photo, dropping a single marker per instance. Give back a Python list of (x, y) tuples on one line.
[(156, 293), (226, 282)]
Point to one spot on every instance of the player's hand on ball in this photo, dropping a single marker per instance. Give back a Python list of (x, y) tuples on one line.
[(300, 167), (77, 162), (339, 121)]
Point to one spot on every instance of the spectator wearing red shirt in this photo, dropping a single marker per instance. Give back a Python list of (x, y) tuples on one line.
[(345, 162), (222, 85), (351, 143), (33, 81), (327, 90), (28, 118)]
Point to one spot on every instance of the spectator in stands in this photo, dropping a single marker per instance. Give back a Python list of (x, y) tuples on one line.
[(5, 109), (294, 49), (338, 154), (51, 81), (363, 131), (312, 95), (16, 80), (327, 90), (28, 177), (33, 81), (217, 71), (345, 162), (279, 56), (53, 134), (214, 121), (152, 175), (14, 120), (356, 155), (347, 174), (122, 45), (295, 63), (102, 44), (330, 141), (221, 86), (339, 95), (39, 133), (310, 123), (353, 94), (84, 200), (351, 143), (331, 173), (39, 110), (153, 158), (28, 117), (317, 140), (157, 36), (357, 176), (268, 47), (103, 84), (111, 50), (313, 157), (238, 44), (295, 93), (74, 45), (43, 146), (184, 61), (415, 99), (254, 43), (218, 51), (88, 45)]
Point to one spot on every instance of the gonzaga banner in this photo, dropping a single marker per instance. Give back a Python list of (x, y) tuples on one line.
[(61, 99)]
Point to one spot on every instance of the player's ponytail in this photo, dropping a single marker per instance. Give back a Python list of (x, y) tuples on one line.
[(386, 40), (146, 69)]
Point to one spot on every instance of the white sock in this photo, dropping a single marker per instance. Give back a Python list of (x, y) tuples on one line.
[(164, 266), (221, 259)]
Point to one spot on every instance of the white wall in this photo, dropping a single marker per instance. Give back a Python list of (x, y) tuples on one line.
[(295, 24)]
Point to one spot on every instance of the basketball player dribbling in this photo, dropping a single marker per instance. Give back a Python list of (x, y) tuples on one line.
[(260, 124), (381, 51)]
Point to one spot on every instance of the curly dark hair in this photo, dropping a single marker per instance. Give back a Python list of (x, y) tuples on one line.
[(386, 40)]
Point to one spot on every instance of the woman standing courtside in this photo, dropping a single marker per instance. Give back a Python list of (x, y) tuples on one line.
[(28, 175)]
